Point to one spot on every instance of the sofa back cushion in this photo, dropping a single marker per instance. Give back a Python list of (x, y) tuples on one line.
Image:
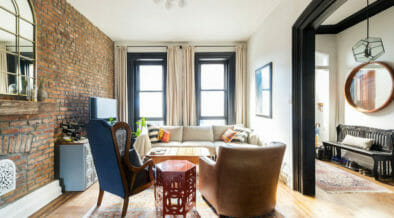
[(175, 131), (218, 131), (198, 133)]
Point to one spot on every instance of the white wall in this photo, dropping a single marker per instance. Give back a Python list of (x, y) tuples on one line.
[(327, 44), (381, 26), (272, 43)]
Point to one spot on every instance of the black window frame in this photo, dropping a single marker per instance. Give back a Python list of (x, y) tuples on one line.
[(134, 60), (228, 59)]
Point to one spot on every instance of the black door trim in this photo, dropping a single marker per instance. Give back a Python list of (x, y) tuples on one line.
[(359, 16), (303, 80)]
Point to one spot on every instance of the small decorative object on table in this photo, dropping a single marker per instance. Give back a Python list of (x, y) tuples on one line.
[(175, 187), (72, 131)]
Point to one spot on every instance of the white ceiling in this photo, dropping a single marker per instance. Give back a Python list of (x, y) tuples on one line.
[(348, 8), (198, 20)]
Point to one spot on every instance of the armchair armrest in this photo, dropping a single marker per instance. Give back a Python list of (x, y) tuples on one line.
[(208, 179), (135, 169)]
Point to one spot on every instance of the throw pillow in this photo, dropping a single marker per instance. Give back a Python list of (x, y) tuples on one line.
[(153, 133), (242, 135), (228, 135), (166, 137), (161, 133), (134, 158), (358, 142)]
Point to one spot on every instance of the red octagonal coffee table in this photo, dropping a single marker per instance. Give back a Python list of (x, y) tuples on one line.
[(175, 187)]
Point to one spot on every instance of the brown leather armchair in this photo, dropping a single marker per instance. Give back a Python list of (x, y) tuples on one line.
[(243, 180)]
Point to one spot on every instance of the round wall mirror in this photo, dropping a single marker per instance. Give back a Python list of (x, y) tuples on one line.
[(370, 87)]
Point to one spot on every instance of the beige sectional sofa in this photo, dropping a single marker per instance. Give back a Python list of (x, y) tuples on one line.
[(193, 136)]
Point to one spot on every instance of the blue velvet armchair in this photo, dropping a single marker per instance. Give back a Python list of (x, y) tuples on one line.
[(118, 170)]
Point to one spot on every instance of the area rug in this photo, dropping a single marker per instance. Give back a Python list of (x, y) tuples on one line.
[(335, 180), (142, 206)]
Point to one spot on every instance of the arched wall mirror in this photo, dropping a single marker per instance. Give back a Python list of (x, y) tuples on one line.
[(370, 87), (17, 47)]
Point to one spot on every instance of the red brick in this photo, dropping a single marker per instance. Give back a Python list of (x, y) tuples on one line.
[(26, 129), (4, 124), (9, 117), (18, 123), (9, 131)]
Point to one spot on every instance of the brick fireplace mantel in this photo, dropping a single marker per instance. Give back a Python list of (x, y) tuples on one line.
[(16, 107)]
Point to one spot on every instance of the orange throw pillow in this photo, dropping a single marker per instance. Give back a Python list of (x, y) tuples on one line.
[(166, 137), (160, 134), (228, 135)]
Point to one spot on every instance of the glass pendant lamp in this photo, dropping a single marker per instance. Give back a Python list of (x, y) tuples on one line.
[(368, 49)]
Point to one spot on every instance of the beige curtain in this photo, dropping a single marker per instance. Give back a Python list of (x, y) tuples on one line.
[(241, 91), (189, 92), (121, 82), (3, 70), (174, 86)]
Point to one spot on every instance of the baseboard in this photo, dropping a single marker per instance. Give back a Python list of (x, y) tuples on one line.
[(32, 202)]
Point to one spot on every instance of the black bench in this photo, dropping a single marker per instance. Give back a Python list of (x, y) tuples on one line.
[(381, 151)]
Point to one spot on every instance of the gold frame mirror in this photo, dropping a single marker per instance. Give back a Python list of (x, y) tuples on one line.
[(18, 74), (367, 88)]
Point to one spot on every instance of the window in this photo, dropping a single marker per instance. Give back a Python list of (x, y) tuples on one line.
[(17, 48), (147, 87), (215, 82)]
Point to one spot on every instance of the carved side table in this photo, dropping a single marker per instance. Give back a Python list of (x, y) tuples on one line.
[(175, 187)]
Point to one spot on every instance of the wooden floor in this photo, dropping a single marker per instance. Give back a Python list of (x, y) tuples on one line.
[(289, 203)]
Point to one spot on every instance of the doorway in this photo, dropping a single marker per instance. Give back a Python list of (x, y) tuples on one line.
[(303, 81)]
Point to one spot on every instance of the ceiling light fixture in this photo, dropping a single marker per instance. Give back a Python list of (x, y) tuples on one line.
[(370, 48), (168, 4)]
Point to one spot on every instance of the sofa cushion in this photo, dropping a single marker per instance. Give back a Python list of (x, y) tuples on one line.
[(218, 131), (204, 144), (219, 143), (358, 142), (242, 145), (175, 131), (254, 139), (169, 144), (198, 133)]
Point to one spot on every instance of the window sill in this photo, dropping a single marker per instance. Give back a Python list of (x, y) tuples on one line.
[(17, 107)]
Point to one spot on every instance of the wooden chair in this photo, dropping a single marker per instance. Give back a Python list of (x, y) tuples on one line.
[(113, 160)]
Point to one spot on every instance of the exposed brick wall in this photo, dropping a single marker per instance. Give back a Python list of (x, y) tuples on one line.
[(28, 140), (76, 61)]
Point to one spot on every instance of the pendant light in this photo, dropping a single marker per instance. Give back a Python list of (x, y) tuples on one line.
[(370, 48)]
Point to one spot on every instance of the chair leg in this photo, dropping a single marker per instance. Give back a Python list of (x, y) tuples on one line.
[(125, 205), (100, 197)]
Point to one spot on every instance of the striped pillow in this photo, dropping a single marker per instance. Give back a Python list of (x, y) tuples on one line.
[(242, 135), (153, 133), (228, 135)]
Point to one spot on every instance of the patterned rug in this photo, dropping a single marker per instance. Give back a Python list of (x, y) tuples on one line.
[(142, 206), (335, 180)]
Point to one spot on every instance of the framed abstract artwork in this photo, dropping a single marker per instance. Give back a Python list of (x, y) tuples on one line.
[(264, 91)]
